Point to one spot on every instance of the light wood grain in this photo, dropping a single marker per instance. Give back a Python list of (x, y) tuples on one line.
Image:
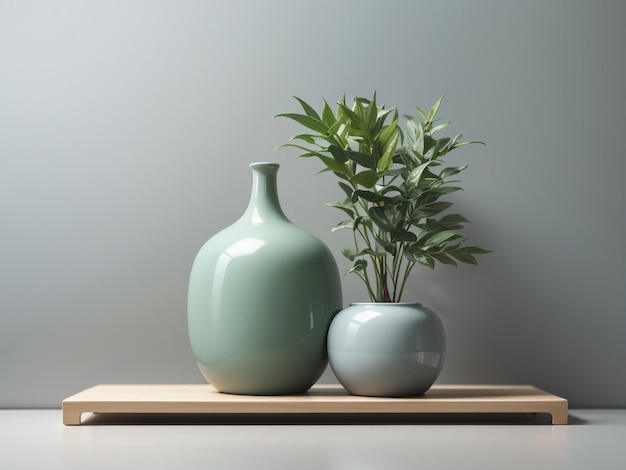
[(331, 399)]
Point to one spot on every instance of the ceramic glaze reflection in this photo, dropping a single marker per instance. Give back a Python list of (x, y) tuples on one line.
[(262, 294), (247, 246), (386, 349)]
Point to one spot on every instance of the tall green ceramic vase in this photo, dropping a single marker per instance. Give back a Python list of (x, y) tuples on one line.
[(262, 294)]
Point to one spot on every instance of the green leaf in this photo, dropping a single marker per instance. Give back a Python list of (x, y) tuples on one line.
[(443, 258), (438, 127), (372, 196), (338, 175), (366, 221), (344, 224), (308, 109), (401, 235), (415, 135), (333, 136), (346, 188), (386, 161), (465, 258), (352, 254), (434, 208), (456, 142), (387, 136), (356, 120), (451, 171), (371, 113), (441, 238), (388, 246), (386, 217), (298, 146), (433, 111), (358, 266), (357, 221), (328, 117), (433, 151), (466, 254), (410, 158), (433, 193), (358, 107), (338, 153), (415, 175), (390, 188), (367, 178), (452, 219), (308, 138), (421, 258), (466, 142), (347, 208), (307, 152), (366, 161), (307, 121), (344, 132), (430, 226), (421, 113), (370, 252), (334, 166), (443, 146), (388, 141), (349, 253), (383, 113)]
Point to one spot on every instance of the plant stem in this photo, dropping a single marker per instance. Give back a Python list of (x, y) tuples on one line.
[(364, 276), (398, 260), (407, 271)]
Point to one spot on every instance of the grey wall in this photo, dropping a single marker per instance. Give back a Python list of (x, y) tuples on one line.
[(126, 128)]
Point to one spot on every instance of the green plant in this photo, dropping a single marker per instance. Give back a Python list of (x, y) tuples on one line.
[(394, 182)]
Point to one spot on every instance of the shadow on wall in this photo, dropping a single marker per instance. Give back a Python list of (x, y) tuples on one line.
[(503, 326), (484, 309)]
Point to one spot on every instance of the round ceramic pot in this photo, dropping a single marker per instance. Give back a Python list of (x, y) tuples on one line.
[(386, 349), (262, 294)]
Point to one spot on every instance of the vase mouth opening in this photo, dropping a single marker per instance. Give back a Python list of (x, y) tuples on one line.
[(365, 304), (262, 165)]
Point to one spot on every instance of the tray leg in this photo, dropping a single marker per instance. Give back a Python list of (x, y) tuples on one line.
[(560, 415), (559, 418), (71, 417)]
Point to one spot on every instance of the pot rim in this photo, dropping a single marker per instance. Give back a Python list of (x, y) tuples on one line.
[(377, 304)]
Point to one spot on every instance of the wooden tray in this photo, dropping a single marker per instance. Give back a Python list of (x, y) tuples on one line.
[(320, 399)]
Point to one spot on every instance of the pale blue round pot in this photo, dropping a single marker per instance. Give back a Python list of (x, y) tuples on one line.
[(262, 294), (386, 349)]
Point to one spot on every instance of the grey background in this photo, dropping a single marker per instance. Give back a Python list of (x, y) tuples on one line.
[(126, 128)]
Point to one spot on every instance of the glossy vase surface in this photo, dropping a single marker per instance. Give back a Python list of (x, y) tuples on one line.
[(386, 349), (262, 294)]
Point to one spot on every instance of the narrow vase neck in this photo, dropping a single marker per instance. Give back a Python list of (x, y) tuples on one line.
[(264, 205)]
